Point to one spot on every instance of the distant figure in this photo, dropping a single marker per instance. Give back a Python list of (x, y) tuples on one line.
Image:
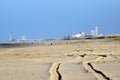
[(51, 44)]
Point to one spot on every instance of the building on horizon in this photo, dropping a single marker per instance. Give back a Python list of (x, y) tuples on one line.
[(23, 38), (79, 35), (11, 38), (95, 31)]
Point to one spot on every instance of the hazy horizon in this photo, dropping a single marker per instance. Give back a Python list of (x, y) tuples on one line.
[(39, 19)]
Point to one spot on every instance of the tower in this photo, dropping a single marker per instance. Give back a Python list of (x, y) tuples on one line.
[(11, 37), (23, 38), (92, 32), (96, 31)]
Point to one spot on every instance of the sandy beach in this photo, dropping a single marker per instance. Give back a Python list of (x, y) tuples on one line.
[(66, 61)]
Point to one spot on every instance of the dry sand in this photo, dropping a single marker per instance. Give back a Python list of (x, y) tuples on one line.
[(70, 61)]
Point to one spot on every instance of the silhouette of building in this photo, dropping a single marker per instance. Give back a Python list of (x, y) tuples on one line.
[(95, 32)]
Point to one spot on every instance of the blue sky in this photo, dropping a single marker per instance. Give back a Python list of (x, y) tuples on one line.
[(39, 19)]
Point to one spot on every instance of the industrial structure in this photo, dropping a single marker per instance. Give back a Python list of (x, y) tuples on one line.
[(95, 32), (79, 35), (23, 38), (75, 36), (11, 38)]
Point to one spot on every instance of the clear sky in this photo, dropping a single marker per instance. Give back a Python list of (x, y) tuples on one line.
[(39, 19)]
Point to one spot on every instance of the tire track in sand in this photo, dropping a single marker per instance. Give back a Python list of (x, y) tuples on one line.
[(54, 71), (98, 74), (55, 74)]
